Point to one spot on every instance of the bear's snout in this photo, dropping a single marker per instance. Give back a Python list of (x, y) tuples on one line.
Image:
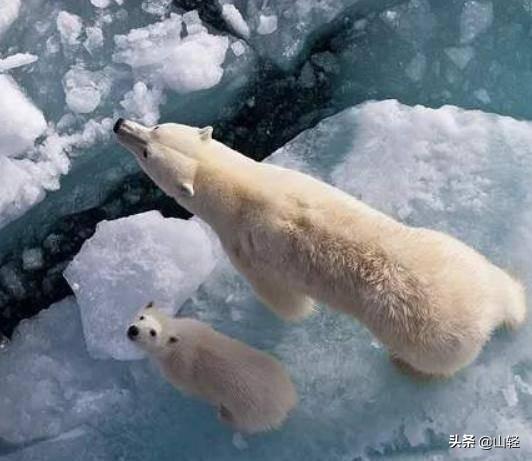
[(132, 332), (118, 124)]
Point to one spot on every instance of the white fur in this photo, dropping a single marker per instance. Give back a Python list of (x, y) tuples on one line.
[(250, 388), (432, 300)]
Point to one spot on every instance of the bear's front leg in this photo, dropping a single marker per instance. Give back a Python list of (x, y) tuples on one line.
[(286, 303), (272, 291)]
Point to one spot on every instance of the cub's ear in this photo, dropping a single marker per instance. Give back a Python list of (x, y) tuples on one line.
[(206, 133), (187, 189), (149, 305)]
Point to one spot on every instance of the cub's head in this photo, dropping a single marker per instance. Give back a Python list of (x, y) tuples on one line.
[(168, 153), (149, 332)]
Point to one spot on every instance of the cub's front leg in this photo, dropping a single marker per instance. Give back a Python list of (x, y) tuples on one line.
[(272, 290)]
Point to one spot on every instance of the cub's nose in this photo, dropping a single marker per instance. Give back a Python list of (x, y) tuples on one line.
[(132, 332), (118, 124)]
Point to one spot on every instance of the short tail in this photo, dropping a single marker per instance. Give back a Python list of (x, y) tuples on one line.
[(516, 305)]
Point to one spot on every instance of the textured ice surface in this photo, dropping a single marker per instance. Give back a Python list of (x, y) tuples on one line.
[(49, 383), (465, 172), (130, 262)]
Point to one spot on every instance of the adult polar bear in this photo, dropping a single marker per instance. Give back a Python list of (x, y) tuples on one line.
[(432, 300)]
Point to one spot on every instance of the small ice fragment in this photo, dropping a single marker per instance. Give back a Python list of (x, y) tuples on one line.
[(238, 48), (156, 7), (142, 104), (17, 60), (267, 24), (69, 27), (234, 19), (510, 395), (239, 441), (460, 56), (101, 3), (9, 11), (416, 68), (482, 95), (476, 17), (94, 39), (32, 259), (3, 342)]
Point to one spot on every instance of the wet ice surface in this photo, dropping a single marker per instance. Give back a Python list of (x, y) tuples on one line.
[(447, 168), (130, 262)]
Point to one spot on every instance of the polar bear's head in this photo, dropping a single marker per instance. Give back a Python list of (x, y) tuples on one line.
[(168, 153), (150, 330)]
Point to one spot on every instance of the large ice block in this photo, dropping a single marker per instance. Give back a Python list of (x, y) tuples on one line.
[(49, 383), (130, 262)]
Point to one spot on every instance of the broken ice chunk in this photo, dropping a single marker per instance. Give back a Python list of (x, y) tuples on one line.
[(267, 24), (70, 27), (22, 123), (17, 60), (9, 10), (142, 104), (234, 19), (132, 261), (32, 259)]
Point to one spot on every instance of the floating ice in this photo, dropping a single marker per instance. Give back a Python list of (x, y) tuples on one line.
[(267, 24), (17, 60), (234, 19), (477, 16), (85, 90), (9, 10), (182, 64), (128, 263), (32, 259), (22, 123), (49, 383), (70, 27), (142, 104)]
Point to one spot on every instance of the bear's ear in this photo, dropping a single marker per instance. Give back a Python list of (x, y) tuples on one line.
[(205, 133), (149, 305), (187, 189)]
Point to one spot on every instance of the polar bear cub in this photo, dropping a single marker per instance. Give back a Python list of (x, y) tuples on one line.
[(250, 389), (429, 298)]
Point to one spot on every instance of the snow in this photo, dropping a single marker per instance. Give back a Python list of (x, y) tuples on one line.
[(9, 11), (128, 263), (234, 19), (17, 60), (22, 123)]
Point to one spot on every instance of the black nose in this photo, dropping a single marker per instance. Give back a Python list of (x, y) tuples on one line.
[(118, 124), (132, 332)]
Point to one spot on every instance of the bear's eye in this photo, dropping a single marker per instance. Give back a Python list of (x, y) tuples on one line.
[(153, 333), (141, 317), (145, 153), (172, 339)]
